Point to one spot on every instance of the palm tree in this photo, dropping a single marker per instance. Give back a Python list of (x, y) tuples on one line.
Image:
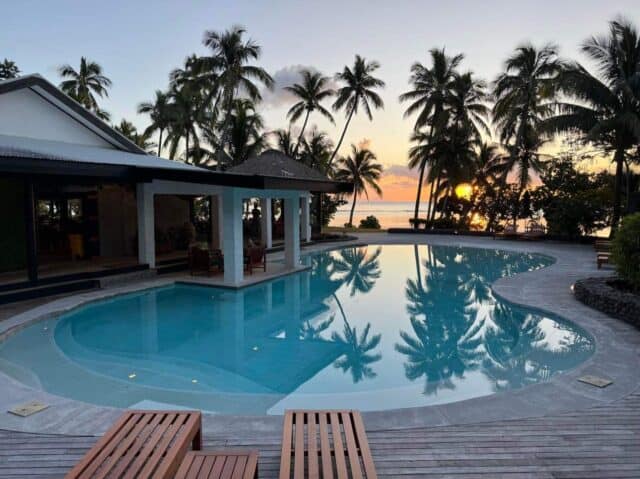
[(316, 150), (606, 107), (524, 95), (184, 111), (358, 356), (246, 138), (142, 140), (429, 96), (358, 92), (284, 142), (83, 84), (311, 92), (229, 62), (8, 70), (159, 112), (357, 269), (362, 169)]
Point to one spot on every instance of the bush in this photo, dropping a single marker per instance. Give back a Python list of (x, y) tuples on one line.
[(370, 222), (625, 250)]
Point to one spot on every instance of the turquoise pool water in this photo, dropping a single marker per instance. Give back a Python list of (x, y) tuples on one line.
[(375, 327)]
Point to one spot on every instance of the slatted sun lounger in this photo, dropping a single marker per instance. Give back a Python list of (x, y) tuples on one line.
[(325, 444), (219, 465), (602, 258), (142, 444)]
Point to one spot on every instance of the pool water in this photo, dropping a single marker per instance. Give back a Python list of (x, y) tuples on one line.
[(372, 328)]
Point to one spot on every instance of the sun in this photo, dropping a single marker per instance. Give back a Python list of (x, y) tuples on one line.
[(464, 191)]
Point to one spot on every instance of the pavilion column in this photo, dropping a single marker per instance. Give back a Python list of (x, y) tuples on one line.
[(216, 221), (306, 218), (265, 222), (292, 231), (146, 225), (30, 226), (232, 244)]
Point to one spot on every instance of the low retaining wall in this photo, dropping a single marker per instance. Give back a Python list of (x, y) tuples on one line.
[(599, 294)]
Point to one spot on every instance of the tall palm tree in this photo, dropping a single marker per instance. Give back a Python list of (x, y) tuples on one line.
[(8, 69), (311, 92), (229, 61), (605, 108), (82, 85), (246, 138), (524, 97), (362, 169), (357, 92), (316, 150), (184, 111), (428, 99), (159, 112), (284, 142)]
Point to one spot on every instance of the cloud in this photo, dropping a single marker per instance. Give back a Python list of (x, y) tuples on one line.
[(365, 143), (401, 171), (286, 76)]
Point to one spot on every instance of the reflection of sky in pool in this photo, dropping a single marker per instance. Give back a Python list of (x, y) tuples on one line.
[(367, 328)]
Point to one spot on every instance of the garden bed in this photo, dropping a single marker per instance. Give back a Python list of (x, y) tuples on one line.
[(611, 296)]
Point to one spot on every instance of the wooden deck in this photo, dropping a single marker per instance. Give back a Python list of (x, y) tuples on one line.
[(602, 442)]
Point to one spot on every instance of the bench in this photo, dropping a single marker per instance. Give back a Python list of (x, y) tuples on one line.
[(142, 444), (219, 464), (602, 258), (325, 444)]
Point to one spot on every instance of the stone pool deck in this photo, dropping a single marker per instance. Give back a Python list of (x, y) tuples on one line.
[(561, 428)]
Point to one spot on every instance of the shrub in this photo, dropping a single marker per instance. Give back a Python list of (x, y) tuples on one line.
[(370, 222), (625, 250)]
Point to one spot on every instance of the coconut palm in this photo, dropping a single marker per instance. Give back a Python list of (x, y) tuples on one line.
[(129, 130), (246, 137), (316, 150), (229, 62), (362, 169), (8, 70), (311, 92), (357, 92), (184, 114), (284, 142), (428, 99), (159, 112), (84, 84), (524, 95), (605, 108)]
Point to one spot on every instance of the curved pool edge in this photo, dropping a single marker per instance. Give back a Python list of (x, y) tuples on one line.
[(546, 289)]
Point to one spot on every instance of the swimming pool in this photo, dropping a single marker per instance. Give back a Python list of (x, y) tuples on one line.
[(371, 327)]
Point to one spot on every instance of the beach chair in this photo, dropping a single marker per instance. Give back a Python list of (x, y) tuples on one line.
[(219, 464), (256, 257), (328, 444), (602, 259), (141, 445), (205, 261)]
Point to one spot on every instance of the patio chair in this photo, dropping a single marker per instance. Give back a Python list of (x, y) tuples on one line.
[(510, 231), (256, 257), (602, 259), (142, 444), (325, 444), (535, 232), (203, 260), (219, 464)]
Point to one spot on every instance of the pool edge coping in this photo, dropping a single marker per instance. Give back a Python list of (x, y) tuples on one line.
[(562, 393)]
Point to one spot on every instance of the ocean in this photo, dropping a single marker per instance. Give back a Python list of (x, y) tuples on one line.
[(390, 214)]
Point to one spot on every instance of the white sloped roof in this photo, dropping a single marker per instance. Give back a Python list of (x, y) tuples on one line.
[(21, 147)]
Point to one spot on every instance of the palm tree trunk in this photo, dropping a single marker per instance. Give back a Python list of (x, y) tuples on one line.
[(416, 254), (436, 194), (617, 192), (353, 207), (430, 204), (160, 142), (186, 152), (344, 131), (418, 195), (304, 125)]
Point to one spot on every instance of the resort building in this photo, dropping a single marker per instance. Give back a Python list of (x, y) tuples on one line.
[(79, 200)]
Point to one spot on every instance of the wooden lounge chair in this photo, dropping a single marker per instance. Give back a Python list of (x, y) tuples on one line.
[(325, 444), (509, 232), (256, 257), (142, 444), (218, 465), (205, 261), (602, 245)]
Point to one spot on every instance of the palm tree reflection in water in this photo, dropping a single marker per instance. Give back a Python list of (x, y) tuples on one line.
[(458, 326)]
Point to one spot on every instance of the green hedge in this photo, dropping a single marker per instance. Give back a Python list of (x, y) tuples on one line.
[(625, 250)]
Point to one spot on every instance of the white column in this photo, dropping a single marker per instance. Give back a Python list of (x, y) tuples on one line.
[(306, 218), (232, 244), (146, 225), (265, 222), (292, 232)]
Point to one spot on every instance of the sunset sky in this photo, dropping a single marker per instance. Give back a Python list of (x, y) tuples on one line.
[(138, 43)]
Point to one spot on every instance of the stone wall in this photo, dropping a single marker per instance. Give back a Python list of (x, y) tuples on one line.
[(599, 294)]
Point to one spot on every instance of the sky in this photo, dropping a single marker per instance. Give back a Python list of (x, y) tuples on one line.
[(138, 43)]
